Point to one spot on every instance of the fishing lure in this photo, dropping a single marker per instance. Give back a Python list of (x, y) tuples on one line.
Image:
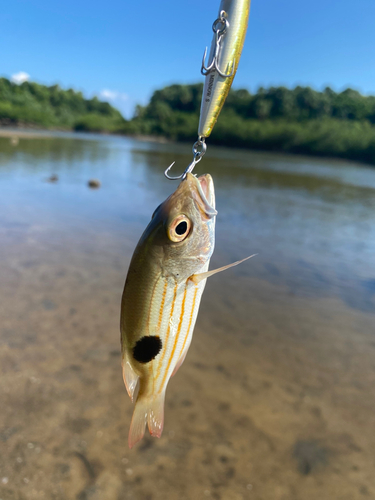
[(229, 36), (228, 40)]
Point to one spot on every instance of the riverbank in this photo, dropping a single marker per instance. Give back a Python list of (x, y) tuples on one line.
[(295, 121), (22, 133), (300, 120), (14, 134), (38, 133)]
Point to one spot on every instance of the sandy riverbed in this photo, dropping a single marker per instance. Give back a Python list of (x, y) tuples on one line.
[(275, 400)]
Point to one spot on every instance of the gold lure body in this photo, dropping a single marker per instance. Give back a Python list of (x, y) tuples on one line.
[(232, 20)]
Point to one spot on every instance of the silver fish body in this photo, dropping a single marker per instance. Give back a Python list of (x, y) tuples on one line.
[(161, 297)]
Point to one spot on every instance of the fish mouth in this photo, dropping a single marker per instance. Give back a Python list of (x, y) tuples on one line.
[(206, 185), (204, 193)]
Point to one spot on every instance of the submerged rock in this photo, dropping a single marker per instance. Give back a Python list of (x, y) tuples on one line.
[(94, 184), (53, 178), (309, 455)]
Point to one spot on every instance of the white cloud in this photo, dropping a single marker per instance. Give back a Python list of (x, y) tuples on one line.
[(108, 94), (121, 101), (20, 77), (112, 95)]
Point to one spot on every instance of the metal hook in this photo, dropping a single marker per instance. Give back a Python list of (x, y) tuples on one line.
[(199, 150), (219, 27)]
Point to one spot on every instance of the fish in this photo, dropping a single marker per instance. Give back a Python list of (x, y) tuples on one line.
[(235, 13), (162, 293)]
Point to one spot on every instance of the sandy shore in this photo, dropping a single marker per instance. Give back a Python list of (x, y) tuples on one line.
[(16, 134)]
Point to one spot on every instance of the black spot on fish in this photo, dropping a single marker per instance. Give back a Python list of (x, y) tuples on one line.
[(147, 348)]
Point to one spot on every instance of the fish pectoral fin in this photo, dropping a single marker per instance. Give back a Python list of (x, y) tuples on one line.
[(129, 375), (197, 278), (148, 410)]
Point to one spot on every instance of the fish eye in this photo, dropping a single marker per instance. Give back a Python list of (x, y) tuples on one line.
[(179, 229)]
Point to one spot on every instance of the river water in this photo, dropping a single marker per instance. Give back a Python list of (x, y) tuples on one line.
[(276, 397)]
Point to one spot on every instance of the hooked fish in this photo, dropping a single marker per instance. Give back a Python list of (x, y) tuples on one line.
[(161, 297), (228, 40)]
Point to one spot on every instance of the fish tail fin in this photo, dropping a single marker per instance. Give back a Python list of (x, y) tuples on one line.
[(155, 418), (150, 410), (138, 423)]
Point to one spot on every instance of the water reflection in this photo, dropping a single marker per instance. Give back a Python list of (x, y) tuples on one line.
[(51, 149)]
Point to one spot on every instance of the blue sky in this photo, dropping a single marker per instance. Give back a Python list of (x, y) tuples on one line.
[(128, 49)]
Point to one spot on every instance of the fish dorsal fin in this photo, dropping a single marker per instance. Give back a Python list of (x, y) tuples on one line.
[(197, 278)]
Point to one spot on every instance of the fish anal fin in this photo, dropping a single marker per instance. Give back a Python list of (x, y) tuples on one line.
[(197, 278), (130, 376)]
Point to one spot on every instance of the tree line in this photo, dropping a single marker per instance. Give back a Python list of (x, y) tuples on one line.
[(52, 107), (299, 120), (301, 103)]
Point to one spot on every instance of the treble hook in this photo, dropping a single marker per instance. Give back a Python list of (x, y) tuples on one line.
[(219, 33), (199, 150)]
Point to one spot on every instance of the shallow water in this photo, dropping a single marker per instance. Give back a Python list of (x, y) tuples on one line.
[(276, 397)]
